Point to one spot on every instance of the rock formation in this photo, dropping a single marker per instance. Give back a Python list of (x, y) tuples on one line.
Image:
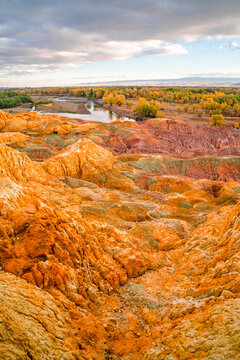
[(118, 256)]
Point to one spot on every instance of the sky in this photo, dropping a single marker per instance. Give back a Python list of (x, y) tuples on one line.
[(67, 43)]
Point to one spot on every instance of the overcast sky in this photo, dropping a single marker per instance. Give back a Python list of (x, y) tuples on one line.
[(46, 42)]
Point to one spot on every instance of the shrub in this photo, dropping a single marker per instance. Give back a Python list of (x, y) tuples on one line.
[(160, 114), (128, 104), (144, 109)]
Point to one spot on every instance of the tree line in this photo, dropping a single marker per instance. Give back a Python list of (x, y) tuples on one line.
[(150, 100), (9, 99)]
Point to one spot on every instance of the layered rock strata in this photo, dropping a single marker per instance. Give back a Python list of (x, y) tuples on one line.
[(118, 256)]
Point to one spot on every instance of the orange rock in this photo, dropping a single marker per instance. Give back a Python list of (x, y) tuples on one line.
[(83, 159), (124, 256)]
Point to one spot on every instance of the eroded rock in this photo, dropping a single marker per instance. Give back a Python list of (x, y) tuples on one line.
[(106, 256)]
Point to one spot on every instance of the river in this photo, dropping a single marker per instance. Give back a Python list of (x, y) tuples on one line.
[(96, 112)]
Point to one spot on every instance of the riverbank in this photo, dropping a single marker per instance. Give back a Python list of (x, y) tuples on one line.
[(23, 108), (60, 106)]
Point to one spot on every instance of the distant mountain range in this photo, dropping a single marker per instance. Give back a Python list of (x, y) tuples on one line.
[(185, 81), (197, 81)]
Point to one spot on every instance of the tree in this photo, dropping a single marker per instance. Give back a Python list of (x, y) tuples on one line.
[(144, 109), (217, 119), (120, 100), (109, 99)]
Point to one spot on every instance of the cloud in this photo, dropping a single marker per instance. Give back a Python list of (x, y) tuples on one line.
[(232, 45), (51, 34)]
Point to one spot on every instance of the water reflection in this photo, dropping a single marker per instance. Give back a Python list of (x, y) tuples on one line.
[(100, 113), (110, 115)]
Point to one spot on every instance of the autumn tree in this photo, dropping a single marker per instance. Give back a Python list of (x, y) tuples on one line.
[(217, 119)]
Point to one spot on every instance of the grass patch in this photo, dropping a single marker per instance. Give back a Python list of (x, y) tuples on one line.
[(43, 102), (202, 207), (129, 175), (158, 214), (136, 191), (68, 111), (166, 189), (151, 181), (185, 204), (237, 190), (154, 305), (134, 289)]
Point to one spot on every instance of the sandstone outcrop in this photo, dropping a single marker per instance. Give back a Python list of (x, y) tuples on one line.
[(118, 256), (82, 159), (32, 326)]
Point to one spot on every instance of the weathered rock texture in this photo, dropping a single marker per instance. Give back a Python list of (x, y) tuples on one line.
[(106, 256)]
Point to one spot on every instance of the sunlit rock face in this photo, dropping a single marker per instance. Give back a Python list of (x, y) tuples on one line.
[(118, 256)]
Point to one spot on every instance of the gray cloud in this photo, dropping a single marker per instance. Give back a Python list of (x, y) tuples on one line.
[(52, 33)]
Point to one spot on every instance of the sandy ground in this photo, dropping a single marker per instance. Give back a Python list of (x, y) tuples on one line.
[(17, 109), (65, 106)]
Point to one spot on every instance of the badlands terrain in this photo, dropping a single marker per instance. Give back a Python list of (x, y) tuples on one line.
[(118, 240)]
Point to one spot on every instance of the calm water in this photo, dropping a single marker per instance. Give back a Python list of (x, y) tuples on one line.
[(97, 113)]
